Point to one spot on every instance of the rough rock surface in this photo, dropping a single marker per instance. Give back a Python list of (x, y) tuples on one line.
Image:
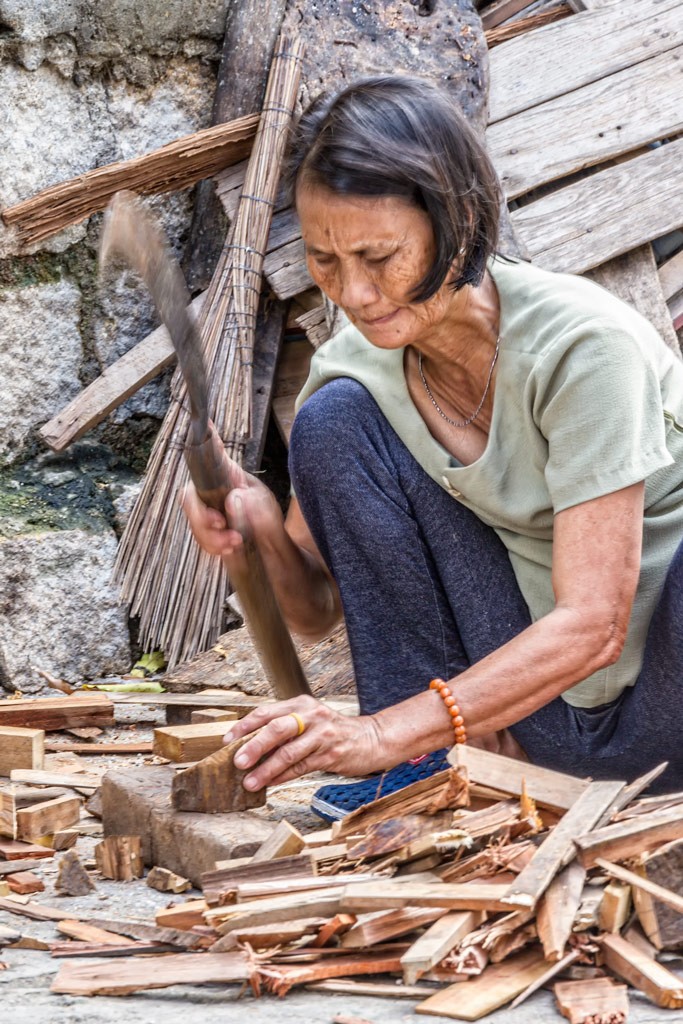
[(58, 609), (41, 356)]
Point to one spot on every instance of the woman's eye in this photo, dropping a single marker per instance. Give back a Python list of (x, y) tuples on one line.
[(376, 261)]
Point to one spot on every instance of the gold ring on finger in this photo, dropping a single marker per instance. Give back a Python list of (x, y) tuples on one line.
[(300, 724)]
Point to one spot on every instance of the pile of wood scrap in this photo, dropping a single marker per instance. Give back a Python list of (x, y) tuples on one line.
[(470, 890)]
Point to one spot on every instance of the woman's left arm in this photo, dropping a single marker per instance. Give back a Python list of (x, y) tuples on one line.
[(596, 566)]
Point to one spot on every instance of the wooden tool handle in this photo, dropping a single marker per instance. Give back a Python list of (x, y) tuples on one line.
[(208, 469)]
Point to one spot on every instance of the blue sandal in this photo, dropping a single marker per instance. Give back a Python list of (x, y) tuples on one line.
[(334, 802)]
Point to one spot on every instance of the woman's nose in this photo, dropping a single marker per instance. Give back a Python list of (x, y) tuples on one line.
[(357, 289)]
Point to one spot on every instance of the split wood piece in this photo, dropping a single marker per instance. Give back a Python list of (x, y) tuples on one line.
[(507, 775), (397, 893), (21, 748), (281, 979), (99, 748), (248, 891), (659, 909), (81, 949), (660, 986), (444, 790), (598, 1000), (167, 881), (631, 792), (8, 936), (514, 28), (182, 916), (284, 841), (151, 933), (628, 839), (46, 818), (137, 801), (120, 979), (381, 989), (663, 802), (557, 910), (439, 939), (615, 907), (558, 848), (216, 884), (49, 713), (119, 858), (176, 165), (17, 849), (390, 925), (190, 742), (496, 13), (393, 835), (525, 72), (267, 936), (18, 941), (552, 971), (72, 878), (280, 908), (24, 796), (493, 988), (64, 839), (499, 818), (82, 931), (215, 784), (84, 782), (336, 928), (314, 324), (8, 814), (25, 882), (204, 715)]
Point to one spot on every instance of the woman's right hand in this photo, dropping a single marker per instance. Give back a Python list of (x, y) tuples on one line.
[(250, 509)]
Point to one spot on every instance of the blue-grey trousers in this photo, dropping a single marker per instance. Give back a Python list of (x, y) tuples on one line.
[(428, 590)]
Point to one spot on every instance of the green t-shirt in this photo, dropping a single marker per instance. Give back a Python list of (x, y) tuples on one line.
[(588, 399)]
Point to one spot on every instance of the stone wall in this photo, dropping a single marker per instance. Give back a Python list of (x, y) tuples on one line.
[(82, 83)]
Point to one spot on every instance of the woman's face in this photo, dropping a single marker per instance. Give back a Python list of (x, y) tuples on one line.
[(367, 255)]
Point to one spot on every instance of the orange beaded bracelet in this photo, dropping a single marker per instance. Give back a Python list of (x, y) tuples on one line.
[(454, 711)]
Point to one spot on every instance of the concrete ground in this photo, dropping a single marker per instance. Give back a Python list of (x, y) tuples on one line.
[(26, 975)]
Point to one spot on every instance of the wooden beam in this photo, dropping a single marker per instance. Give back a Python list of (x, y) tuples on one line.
[(601, 216), (526, 72), (627, 839), (451, 896), (653, 979), (120, 978), (558, 848), (390, 925), (46, 818), (58, 712), (507, 775), (119, 858), (177, 165), (592, 999), (439, 939)]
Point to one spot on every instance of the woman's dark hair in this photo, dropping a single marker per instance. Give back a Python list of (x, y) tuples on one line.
[(402, 136)]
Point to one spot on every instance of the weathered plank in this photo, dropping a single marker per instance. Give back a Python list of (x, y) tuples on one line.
[(505, 774), (627, 839), (496, 986), (606, 214), (121, 978), (557, 910), (526, 71), (659, 985), (589, 125), (439, 939)]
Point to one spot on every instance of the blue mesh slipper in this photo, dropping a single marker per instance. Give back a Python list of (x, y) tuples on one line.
[(333, 802)]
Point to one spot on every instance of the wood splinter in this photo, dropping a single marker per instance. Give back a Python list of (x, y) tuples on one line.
[(214, 785)]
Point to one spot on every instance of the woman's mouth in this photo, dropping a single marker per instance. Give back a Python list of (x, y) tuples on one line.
[(380, 320)]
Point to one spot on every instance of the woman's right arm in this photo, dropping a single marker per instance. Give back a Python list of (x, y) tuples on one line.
[(303, 586)]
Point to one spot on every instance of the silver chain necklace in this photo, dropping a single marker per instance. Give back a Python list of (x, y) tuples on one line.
[(442, 414)]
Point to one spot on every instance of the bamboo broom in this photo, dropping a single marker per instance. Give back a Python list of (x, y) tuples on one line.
[(176, 589)]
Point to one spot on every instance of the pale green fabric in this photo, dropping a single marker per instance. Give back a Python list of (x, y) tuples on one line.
[(588, 399)]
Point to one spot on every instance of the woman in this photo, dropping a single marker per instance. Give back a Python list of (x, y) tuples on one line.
[(488, 469)]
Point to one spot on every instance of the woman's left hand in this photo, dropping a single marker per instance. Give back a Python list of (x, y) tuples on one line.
[(330, 741)]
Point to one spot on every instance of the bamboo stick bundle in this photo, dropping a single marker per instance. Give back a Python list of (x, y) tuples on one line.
[(177, 165), (176, 589)]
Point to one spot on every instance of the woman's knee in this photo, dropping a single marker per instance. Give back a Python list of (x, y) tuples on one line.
[(329, 425)]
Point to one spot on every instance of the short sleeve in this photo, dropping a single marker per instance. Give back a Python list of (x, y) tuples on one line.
[(598, 404)]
